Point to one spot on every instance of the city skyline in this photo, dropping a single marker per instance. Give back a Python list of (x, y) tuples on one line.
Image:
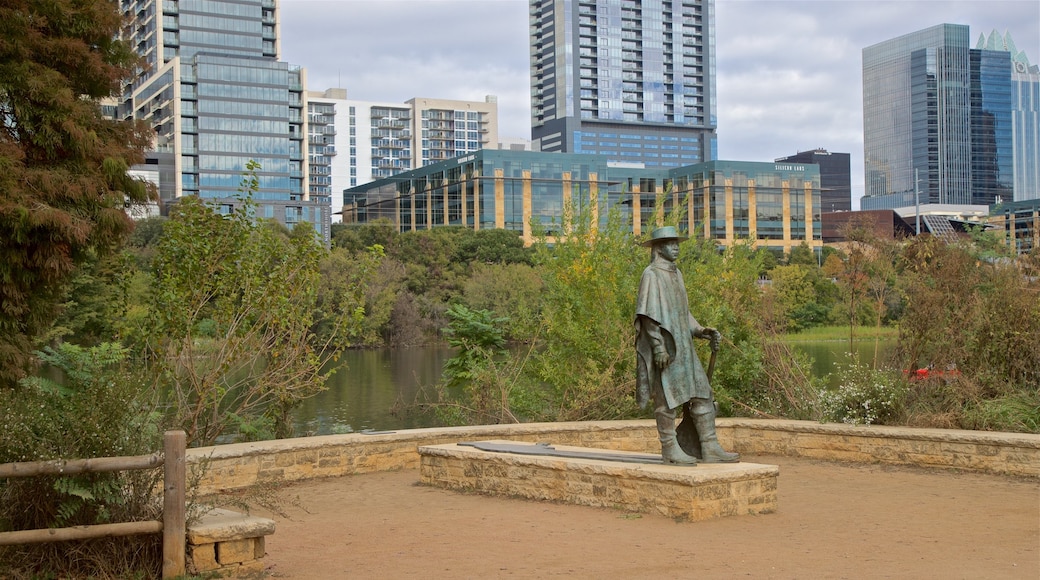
[(789, 72)]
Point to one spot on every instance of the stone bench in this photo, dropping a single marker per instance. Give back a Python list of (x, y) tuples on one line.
[(227, 543), (692, 493)]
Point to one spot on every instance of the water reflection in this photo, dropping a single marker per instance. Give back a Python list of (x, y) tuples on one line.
[(829, 354), (368, 386)]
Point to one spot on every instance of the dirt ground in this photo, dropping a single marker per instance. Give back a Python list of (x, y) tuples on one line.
[(833, 521)]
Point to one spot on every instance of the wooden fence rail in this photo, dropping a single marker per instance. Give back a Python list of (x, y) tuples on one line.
[(172, 525)]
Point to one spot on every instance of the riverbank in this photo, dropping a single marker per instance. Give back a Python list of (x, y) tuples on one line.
[(841, 333)]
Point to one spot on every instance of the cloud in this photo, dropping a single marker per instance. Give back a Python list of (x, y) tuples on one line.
[(789, 71)]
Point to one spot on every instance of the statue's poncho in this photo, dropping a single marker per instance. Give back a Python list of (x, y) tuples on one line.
[(662, 302)]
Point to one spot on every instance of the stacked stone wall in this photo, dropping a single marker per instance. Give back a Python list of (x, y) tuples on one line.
[(228, 467)]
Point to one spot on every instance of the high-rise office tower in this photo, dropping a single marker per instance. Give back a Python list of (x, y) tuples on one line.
[(835, 177), (218, 97), (1025, 114), (631, 80), (936, 117)]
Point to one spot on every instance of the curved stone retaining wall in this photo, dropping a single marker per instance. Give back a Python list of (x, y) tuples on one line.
[(240, 465)]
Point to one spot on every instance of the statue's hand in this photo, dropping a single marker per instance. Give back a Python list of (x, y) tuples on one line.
[(661, 359), (713, 335)]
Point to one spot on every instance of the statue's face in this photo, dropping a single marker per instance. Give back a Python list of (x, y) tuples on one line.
[(669, 250)]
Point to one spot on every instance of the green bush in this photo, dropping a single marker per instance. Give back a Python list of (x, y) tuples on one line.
[(92, 408)]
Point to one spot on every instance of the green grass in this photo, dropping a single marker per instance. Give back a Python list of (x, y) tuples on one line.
[(841, 333)]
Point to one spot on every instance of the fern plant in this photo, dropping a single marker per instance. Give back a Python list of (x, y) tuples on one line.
[(86, 405)]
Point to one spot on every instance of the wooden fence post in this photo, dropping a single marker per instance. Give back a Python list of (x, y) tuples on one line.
[(173, 504)]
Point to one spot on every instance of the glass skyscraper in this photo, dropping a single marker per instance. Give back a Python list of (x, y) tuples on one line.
[(218, 97), (631, 80), (1026, 117), (936, 116), (1025, 114)]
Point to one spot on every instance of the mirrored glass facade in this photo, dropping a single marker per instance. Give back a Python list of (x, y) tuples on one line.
[(936, 121), (218, 98), (776, 205), (631, 80), (1025, 114), (1025, 88)]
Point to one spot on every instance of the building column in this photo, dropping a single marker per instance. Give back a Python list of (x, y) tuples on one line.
[(1036, 228), (500, 199), (478, 188), (445, 213), (752, 211), (809, 215), (707, 210), (658, 207), (568, 214), (411, 212), (786, 189), (593, 202), (1009, 230), (429, 208), (730, 234), (637, 211), (528, 240), (463, 188), (689, 211)]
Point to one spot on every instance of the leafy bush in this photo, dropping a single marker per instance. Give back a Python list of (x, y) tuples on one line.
[(474, 389), (583, 366), (234, 305), (979, 317)]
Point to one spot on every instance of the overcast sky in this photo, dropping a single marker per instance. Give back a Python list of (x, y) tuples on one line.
[(789, 72)]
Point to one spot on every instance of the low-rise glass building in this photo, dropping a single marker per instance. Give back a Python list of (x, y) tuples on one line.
[(776, 205), (1021, 223)]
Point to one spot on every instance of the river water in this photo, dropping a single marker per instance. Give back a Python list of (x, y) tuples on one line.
[(372, 389)]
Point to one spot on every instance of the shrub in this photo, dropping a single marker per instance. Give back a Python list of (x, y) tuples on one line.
[(474, 389), (864, 396)]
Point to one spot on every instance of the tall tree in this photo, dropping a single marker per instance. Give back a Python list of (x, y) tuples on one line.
[(63, 166), (234, 303)]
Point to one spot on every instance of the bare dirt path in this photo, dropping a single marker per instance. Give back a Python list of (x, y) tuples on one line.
[(834, 521)]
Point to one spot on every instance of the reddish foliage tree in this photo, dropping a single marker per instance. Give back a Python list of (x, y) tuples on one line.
[(63, 165)]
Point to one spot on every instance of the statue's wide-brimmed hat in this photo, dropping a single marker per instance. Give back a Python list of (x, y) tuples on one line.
[(663, 234)]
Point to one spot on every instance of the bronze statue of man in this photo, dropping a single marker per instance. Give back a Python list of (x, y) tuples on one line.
[(668, 371)]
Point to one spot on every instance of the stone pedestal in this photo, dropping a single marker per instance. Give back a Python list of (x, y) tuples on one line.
[(698, 492), (228, 543)]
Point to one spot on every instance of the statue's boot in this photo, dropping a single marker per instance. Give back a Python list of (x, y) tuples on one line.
[(670, 450), (711, 451)]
